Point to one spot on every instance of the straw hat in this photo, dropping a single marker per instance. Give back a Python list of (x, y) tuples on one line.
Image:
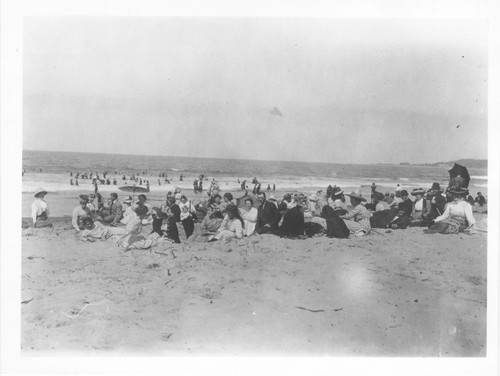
[(313, 198), (39, 190), (272, 198), (458, 192), (356, 196), (418, 191)]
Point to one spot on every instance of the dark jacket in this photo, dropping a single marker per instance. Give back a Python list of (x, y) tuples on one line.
[(268, 214), (405, 208)]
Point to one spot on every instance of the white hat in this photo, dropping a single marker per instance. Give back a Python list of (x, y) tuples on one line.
[(272, 198), (313, 198), (39, 190)]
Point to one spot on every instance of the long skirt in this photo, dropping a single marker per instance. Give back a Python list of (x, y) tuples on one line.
[(188, 225), (293, 223), (335, 226)]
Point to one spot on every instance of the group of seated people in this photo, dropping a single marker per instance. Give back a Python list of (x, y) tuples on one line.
[(294, 216)]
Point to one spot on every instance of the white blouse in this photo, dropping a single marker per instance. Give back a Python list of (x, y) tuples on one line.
[(458, 209)]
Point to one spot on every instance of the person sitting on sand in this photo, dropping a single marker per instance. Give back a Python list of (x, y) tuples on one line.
[(358, 220), (128, 210), (171, 230), (313, 212), (268, 216), (79, 213), (209, 226), (91, 206), (480, 200), (457, 216), (249, 215), (420, 208), (227, 200), (115, 211), (378, 201), (293, 220), (403, 216), (132, 231), (187, 221), (336, 200), (40, 210), (215, 200), (438, 201), (232, 226)]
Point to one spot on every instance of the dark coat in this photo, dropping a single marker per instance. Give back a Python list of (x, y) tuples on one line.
[(335, 226), (268, 214), (293, 223)]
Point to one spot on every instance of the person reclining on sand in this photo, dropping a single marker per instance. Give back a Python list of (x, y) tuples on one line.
[(94, 230)]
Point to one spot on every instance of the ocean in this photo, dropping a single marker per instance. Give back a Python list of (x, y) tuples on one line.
[(51, 170)]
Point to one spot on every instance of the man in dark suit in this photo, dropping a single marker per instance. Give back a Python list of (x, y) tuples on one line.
[(115, 211), (268, 216)]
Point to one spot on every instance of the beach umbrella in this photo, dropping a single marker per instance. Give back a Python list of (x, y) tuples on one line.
[(459, 176), (133, 189)]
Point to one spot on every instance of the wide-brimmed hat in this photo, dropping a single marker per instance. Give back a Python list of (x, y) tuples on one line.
[(313, 198), (356, 196), (337, 191), (84, 198), (404, 192), (458, 192), (39, 190), (418, 191), (272, 198), (379, 196)]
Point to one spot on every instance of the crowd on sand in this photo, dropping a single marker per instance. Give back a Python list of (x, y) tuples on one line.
[(295, 215)]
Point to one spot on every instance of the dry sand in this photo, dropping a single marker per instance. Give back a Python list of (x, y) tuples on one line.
[(398, 293)]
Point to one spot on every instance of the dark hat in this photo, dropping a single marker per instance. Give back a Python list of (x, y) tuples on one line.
[(418, 191), (435, 188), (404, 192), (84, 198), (356, 196), (458, 192), (141, 210), (337, 191), (378, 195)]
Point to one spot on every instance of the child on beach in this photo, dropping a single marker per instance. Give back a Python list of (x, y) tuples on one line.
[(94, 231)]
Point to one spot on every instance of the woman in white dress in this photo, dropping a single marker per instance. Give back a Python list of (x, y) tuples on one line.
[(232, 226), (249, 215)]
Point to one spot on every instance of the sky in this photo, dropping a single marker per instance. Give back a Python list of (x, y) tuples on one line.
[(338, 90)]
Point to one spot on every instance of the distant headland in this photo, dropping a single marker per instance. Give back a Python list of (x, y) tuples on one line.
[(470, 163)]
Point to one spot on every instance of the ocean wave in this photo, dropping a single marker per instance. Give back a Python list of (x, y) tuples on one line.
[(480, 177)]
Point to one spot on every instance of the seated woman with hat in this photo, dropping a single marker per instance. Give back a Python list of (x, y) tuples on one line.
[(40, 210), (421, 208), (231, 227), (336, 200), (404, 209), (457, 216), (358, 220)]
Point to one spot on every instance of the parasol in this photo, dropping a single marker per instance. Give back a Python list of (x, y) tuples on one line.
[(133, 189), (459, 177)]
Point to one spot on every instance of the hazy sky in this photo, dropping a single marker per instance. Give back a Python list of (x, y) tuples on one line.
[(349, 90)]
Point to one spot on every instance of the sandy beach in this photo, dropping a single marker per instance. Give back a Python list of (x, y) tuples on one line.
[(393, 293)]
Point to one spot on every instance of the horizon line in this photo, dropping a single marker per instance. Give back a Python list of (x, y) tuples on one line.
[(262, 160)]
